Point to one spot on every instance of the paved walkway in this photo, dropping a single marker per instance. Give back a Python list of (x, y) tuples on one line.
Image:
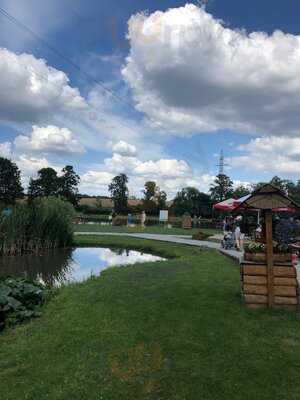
[(173, 239)]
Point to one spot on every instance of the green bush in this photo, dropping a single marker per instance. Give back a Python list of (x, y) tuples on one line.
[(19, 300), (45, 223)]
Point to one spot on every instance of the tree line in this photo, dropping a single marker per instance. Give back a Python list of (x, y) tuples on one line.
[(189, 199), (47, 183)]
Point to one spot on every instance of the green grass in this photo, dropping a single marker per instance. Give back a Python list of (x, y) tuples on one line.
[(167, 330), (151, 229)]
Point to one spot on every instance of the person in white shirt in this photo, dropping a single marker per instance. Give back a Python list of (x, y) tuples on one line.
[(239, 238)]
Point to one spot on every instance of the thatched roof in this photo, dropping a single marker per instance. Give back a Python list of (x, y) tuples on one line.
[(268, 197)]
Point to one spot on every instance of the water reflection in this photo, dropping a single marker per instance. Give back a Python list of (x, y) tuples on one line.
[(70, 265)]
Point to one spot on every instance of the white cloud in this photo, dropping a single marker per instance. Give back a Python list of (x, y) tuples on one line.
[(124, 148), (166, 168), (29, 166), (118, 163), (270, 154), (283, 145), (5, 149), (49, 139), (188, 73), (171, 175), (95, 182), (31, 91)]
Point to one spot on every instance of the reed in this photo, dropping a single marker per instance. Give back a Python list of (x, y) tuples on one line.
[(44, 224)]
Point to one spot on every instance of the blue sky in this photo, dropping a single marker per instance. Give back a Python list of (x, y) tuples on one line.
[(192, 78)]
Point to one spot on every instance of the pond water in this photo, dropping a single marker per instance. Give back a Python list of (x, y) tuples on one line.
[(70, 265)]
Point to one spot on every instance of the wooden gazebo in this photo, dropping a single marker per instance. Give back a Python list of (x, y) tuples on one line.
[(270, 284)]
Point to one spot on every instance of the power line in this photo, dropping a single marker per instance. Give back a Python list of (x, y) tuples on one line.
[(54, 84), (98, 82)]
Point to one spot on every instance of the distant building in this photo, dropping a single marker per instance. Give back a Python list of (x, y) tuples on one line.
[(106, 202)]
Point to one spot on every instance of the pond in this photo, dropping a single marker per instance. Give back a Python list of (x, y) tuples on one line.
[(70, 265)]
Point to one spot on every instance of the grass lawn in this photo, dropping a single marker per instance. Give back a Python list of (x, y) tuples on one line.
[(167, 330), (151, 229)]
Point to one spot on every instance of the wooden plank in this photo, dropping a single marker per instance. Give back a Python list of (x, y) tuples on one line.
[(256, 280), (255, 269), (255, 299), (270, 266), (256, 289), (284, 281), (289, 291), (285, 272), (244, 262), (286, 300)]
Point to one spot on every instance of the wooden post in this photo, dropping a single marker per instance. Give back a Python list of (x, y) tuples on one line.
[(270, 261)]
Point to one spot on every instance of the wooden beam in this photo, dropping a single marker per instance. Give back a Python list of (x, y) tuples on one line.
[(284, 281), (270, 262), (259, 280), (260, 289)]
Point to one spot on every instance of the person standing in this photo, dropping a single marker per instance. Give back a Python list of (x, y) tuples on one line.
[(239, 237), (195, 221), (143, 219)]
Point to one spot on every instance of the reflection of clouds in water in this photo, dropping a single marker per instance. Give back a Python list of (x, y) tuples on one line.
[(126, 258), (62, 266), (91, 261)]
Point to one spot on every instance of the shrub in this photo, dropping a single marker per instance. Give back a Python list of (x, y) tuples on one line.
[(19, 300), (45, 223), (284, 232)]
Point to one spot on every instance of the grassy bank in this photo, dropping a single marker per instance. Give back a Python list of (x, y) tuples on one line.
[(167, 330), (137, 229)]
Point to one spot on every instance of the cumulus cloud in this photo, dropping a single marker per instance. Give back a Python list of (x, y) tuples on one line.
[(119, 163), (29, 166), (188, 72), (31, 91), (95, 182), (270, 154), (124, 148), (49, 139), (171, 175), (166, 168), (5, 149)]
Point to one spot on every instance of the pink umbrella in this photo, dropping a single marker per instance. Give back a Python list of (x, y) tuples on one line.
[(232, 204), (226, 205)]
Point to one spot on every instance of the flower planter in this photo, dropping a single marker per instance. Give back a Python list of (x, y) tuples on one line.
[(261, 257)]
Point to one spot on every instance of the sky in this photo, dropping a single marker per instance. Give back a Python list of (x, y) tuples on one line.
[(153, 89)]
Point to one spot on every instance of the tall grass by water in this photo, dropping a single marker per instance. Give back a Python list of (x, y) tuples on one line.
[(44, 224)]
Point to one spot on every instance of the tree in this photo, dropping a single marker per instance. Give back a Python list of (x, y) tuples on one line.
[(222, 188), (190, 200), (46, 184), (150, 190), (282, 184), (240, 191), (290, 188), (10, 182), (293, 191), (154, 198), (68, 185), (119, 193), (162, 199)]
